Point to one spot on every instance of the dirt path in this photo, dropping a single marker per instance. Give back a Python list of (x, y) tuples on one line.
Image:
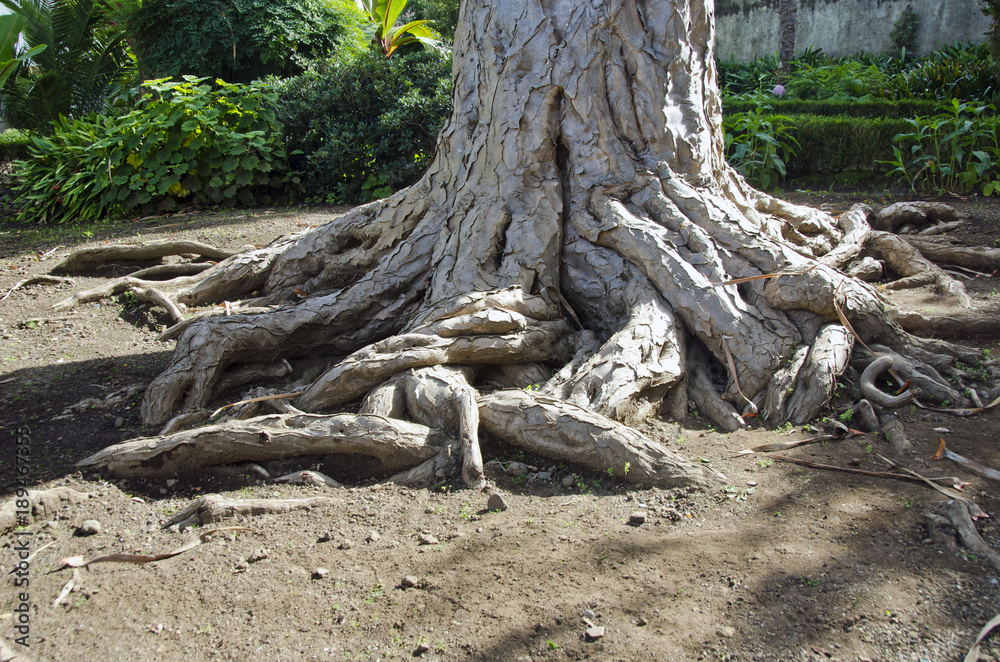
[(784, 563)]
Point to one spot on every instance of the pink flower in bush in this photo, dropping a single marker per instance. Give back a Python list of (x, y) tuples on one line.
[(778, 91)]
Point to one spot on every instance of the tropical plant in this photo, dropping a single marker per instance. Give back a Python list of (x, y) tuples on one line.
[(241, 40), (10, 33), (85, 56), (955, 151), (759, 145), (960, 71), (186, 142), (390, 37)]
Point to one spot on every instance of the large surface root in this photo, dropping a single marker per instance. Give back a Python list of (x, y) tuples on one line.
[(562, 431), (395, 444), (362, 371)]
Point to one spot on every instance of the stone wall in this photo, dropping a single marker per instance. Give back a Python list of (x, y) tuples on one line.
[(747, 28)]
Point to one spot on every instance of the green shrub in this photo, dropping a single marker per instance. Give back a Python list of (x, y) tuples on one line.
[(955, 151), (837, 144), (14, 145), (444, 13), (847, 79), (961, 71), (240, 40), (759, 145), (872, 108), (373, 120), (186, 142)]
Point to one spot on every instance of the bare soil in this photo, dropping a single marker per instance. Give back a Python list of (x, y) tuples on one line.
[(783, 563)]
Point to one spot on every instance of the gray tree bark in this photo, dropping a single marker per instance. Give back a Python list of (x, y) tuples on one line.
[(579, 182)]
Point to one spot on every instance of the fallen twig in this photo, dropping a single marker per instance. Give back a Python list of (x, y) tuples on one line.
[(39, 280), (972, 466), (33, 555), (785, 445), (948, 492), (78, 562), (864, 472), (973, 655), (958, 412), (67, 588), (279, 396)]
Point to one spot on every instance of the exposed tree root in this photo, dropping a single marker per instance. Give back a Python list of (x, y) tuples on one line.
[(120, 285), (91, 258), (395, 444), (562, 431), (971, 257), (915, 270), (170, 271), (956, 513), (215, 508), (38, 280), (893, 217), (579, 230)]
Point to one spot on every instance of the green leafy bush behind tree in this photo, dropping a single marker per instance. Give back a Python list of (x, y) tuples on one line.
[(444, 14), (85, 56), (186, 142), (953, 151), (240, 40), (359, 127)]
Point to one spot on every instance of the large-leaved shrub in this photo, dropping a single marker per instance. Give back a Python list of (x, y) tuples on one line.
[(954, 151), (240, 40), (359, 127), (187, 142)]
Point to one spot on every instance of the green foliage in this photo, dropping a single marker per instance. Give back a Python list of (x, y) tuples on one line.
[(84, 56), (905, 31), (390, 37), (872, 108), (443, 13), (962, 71), (360, 128), (186, 142), (10, 34), (14, 145), (240, 40), (955, 151), (841, 143), (759, 145), (835, 80)]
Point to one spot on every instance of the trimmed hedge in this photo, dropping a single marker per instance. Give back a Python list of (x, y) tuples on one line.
[(14, 145), (878, 108), (834, 144)]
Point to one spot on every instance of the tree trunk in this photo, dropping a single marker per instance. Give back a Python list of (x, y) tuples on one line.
[(579, 214)]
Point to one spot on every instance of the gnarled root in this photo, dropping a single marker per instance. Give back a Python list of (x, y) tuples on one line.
[(562, 431), (215, 508), (396, 444), (91, 258)]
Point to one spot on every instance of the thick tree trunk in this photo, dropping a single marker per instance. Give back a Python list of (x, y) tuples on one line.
[(580, 182)]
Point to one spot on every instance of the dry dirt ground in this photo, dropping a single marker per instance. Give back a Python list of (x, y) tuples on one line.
[(783, 563)]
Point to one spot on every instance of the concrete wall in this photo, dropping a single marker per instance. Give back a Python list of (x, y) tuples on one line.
[(747, 28)]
